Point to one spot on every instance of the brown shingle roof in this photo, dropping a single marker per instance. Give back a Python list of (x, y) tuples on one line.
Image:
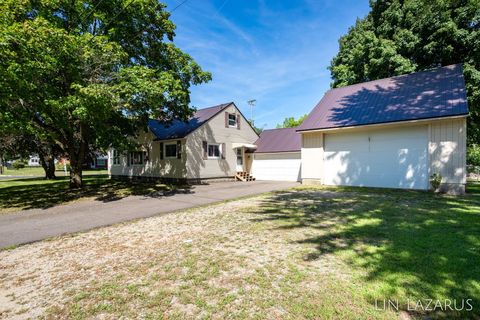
[(278, 140), (434, 93)]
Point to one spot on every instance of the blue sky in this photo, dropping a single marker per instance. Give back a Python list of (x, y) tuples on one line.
[(274, 51)]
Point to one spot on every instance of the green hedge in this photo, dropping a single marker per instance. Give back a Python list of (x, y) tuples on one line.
[(473, 155)]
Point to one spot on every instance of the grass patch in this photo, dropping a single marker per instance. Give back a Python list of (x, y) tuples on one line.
[(31, 193), (38, 171), (403, 245), (304, 253)]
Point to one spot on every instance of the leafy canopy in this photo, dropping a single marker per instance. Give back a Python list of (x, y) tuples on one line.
[(291, 122), (88, 73), (404, 36)]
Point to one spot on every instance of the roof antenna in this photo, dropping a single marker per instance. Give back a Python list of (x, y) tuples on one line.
[(252, 104)]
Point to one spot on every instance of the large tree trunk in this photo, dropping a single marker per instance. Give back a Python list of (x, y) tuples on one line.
[(75, 174), (48, 164)]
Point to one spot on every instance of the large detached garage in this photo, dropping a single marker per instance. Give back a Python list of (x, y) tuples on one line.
[(392, 133), (277, 156)]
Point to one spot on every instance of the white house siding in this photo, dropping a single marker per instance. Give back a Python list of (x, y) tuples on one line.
[(378, 157), (312, 157), (214, 131), (154, 167), (447, 149), (281, 166)]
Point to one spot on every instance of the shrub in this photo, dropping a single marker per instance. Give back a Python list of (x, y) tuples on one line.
[(18, 164), (435, 180), (473, 155), (60, 167)]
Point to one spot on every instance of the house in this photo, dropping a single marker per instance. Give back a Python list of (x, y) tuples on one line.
[(33, 161), (393, 132), (277, 155), (99, 161), (214, 143)]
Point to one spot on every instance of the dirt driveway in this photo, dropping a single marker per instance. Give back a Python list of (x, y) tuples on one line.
[(37, 224)]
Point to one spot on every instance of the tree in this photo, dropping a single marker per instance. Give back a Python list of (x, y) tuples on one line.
[(404, 36), (258, 130), (290, 122), (87, 74), (20, 140)]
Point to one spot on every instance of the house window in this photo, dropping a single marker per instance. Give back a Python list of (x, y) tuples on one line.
[(213, 151), (171, 150), (232, 120), (137, 157), (116, 157)]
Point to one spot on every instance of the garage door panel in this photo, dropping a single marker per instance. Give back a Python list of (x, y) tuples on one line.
[(378, 158), (277, 167)]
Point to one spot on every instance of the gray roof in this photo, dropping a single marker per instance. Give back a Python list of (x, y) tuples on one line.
[(278, 140), (428, 94), (179, 129)]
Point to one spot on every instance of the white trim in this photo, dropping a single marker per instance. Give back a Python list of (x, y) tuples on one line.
[(383, 124), (129, 159), (278, 152), (119, 158), (219, 145), (236, 145), (165, 150)]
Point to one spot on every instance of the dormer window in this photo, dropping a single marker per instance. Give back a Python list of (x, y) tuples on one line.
[(232, 120)]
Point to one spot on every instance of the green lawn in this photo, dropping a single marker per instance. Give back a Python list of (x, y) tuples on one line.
[(400, 245), (303, 253), (30, 193), (38, 171)]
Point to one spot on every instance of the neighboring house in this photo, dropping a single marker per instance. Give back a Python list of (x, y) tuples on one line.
[(277, 156), (212, 144), (100, 161), (33, 161), (393, 132)]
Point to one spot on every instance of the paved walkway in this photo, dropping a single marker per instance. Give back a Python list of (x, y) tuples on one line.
[(37, 224)]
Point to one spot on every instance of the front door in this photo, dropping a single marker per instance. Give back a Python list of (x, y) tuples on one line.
[(239, 159)]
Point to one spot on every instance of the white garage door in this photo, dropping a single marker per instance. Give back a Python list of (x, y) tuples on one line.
[(277, 166), (393, 158)]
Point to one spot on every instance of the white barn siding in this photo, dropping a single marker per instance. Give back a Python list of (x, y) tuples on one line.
[(446, 145), (312, 157), (447, 150)]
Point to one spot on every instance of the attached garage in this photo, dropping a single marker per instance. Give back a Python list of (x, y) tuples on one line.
[(393, 158), (277, 166), (277, 156), (394, 133)]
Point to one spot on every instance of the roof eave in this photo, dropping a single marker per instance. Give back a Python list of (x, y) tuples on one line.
[(463, 115)]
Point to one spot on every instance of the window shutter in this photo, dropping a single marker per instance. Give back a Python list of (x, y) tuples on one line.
[(205, 145), (224, 150), (179, 149), (226, 119), (238, 120), (161, 150)]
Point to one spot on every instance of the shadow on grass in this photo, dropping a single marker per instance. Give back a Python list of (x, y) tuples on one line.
[(407, 244), (17, 194)]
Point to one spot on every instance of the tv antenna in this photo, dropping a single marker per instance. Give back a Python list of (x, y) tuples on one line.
[(252, 104)]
